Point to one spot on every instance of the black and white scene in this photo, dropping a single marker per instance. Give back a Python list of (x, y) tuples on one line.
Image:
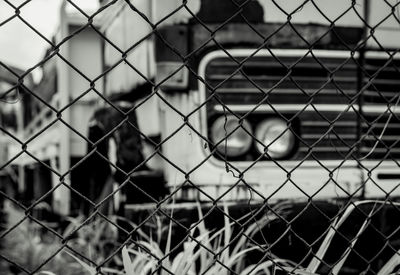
[(199, 137)]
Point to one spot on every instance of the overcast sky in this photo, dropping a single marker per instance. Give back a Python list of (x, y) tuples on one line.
[(19, 45)]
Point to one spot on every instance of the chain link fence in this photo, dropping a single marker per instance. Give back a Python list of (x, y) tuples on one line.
[(203, 137)]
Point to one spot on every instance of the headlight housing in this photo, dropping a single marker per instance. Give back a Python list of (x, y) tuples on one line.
[(237, 142), (277, 140)]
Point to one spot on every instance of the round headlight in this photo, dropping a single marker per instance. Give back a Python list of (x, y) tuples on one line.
[(238, 141), (276, 138)]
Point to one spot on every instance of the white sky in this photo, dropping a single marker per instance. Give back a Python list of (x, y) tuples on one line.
[(19, 45)]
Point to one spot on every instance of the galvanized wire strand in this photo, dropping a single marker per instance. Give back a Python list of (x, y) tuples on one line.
[(238, 172)]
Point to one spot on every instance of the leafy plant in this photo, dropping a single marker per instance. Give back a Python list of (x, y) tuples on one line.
[(203, 251), (30, 246), (96, 239)]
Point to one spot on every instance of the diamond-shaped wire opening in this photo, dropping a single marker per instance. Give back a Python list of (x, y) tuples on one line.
[(370, 135)]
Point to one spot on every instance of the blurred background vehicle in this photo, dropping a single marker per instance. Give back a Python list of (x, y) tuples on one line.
[(184, 89)]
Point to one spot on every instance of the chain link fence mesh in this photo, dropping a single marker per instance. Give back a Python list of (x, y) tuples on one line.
[(274, 151)]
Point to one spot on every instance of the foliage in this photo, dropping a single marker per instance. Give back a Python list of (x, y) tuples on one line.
[(218, 254), (202, 251), (30, 246)]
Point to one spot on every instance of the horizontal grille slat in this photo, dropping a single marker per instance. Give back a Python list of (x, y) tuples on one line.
[(330, 136), (381, 80), (282, 91), (264, 84), (326, 149), (277, 79), (381, 125), (374, 68), (381, 133), (394, 152), (384, 137), (326, 124), (285, 61)]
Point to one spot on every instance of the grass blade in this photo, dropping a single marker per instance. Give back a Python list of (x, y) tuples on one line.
[(89, 268), (391, 264), (126, 259)]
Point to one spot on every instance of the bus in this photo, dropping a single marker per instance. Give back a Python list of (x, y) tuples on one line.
[(266, 100)]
